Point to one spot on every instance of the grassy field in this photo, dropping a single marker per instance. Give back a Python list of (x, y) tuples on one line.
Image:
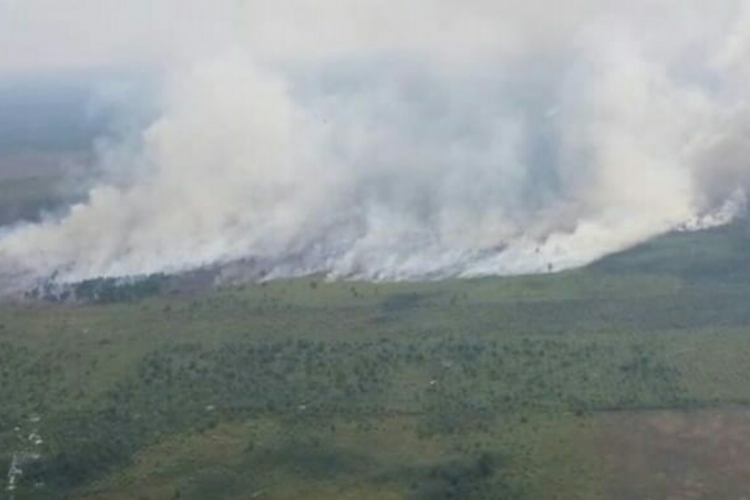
[(40, 181), (583, 384)]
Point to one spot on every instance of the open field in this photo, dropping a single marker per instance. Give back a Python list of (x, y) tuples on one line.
[(25, 198), (584, 384), (34, 183)]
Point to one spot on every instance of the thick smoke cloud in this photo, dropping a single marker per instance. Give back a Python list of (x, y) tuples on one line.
[(403, 140)]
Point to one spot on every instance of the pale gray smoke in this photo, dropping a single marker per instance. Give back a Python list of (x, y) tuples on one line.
[(403, 140)]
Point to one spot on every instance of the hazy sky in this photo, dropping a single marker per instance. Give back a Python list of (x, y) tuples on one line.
[(63, 34)]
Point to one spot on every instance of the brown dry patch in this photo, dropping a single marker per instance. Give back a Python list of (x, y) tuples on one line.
[(676, 455)]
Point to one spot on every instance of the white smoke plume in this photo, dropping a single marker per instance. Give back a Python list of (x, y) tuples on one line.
[(407, 140)]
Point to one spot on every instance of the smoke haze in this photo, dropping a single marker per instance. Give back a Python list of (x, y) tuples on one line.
[(395, 140)]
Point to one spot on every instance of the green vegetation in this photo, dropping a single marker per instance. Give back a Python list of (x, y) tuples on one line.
[(488, 388)]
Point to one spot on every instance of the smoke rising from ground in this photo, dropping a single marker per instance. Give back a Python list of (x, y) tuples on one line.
[(386, 141)]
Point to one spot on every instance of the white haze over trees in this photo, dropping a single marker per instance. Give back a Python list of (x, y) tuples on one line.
[(387, 139)]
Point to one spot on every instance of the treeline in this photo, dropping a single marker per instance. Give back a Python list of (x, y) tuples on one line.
[(100, 290)]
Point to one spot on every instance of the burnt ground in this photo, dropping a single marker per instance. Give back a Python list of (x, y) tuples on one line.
[(677, 455)]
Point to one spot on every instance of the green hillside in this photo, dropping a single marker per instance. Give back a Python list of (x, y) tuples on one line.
[(575, 385)]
